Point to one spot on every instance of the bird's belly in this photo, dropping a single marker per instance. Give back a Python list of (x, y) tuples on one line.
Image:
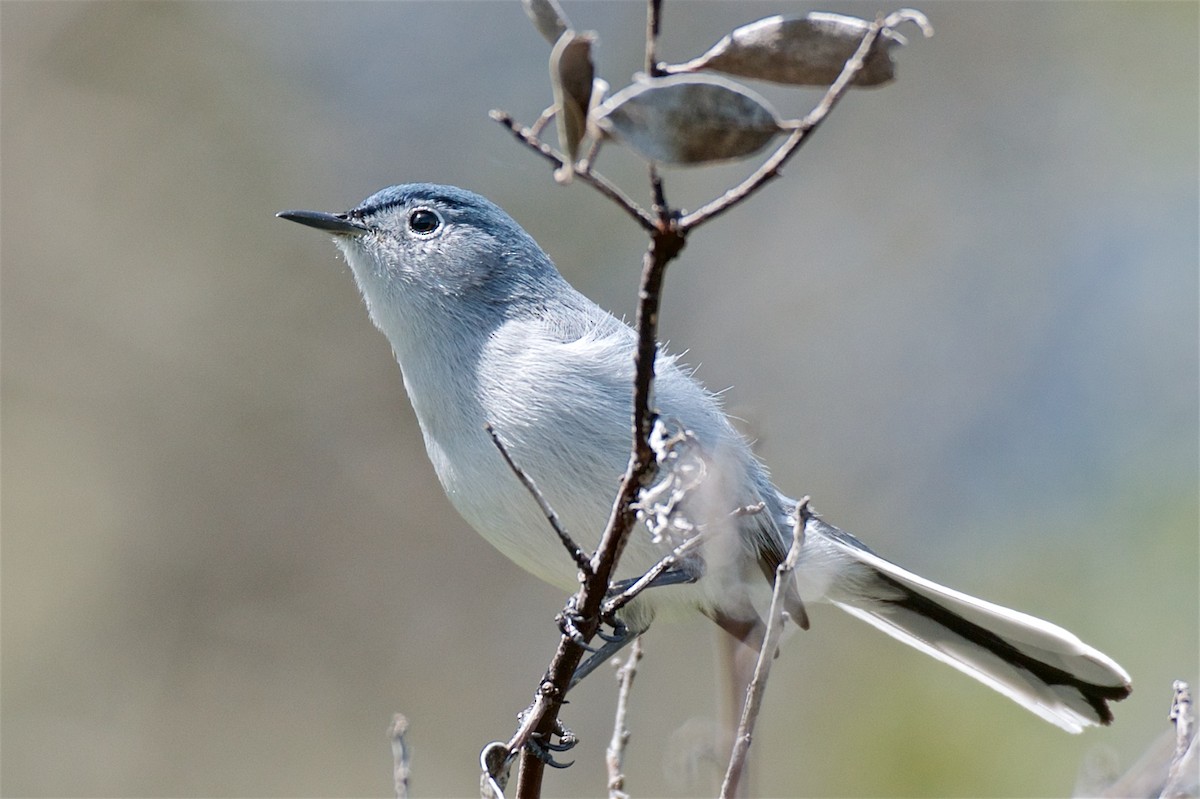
[(487, 494), (510, 519)]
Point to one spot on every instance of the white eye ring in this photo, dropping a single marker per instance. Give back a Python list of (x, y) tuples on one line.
[(424, 221)]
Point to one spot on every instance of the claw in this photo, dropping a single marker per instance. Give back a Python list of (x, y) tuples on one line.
[(568, 625), (564, 745), (620, 631), (542, 749)]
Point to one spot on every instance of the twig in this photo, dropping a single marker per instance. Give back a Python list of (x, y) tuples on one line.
[(749, 510), (1181, 714), (665, 244), (576, 552), (1168, 768), (668, 231), (592, 178), (1186, 757), (659, 191), (771, 167), (615, 603), (539, 124), (766, 654), (653, 26), (400, 770), (615, 755)]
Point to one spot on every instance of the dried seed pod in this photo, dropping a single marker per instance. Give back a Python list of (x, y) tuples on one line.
[(548, 17), (688, 119), (572, 77), (800, 51)]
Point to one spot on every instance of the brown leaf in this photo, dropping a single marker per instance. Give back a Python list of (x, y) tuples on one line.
[(688, 119), (800, 51), (572, 76), (548, 17)]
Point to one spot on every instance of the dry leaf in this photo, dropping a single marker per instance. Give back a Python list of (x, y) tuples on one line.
[(548, 17), (801, 51), (572, 77), (688, 119)]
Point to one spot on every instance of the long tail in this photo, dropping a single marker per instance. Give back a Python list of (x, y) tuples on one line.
[(1033, 662)]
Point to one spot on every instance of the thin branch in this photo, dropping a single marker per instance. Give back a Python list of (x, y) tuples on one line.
[(574, 550), (400, 755), (1168, 767), (615, 755), (667, 238), (1181, 714), (766, 654), (653, 27), (585, 165), (665, 244), (539, 124), (541, 717), (749, 510), (1185, 758), (615, 603), (659, 191), (592, 178), (771, 168)]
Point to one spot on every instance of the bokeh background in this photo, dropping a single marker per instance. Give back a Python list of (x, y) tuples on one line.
[(965, 322)]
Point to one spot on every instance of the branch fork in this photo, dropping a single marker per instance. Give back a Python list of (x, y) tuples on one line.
[(668, 229)]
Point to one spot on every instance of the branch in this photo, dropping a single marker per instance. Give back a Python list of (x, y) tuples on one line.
[(615, 755), (668, 231), (574, 550), (653, 27), (665, 243), (589, 176), (771, 168), (615, 603), (1166, 769), (1186, 757), (766, 655), (400, 770)]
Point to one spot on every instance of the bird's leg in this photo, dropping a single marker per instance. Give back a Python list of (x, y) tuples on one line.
[(683, 572), (569, 619), (612, 645), (688, 571), (671, 570)]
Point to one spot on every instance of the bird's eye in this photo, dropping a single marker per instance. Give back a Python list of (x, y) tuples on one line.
[(424, 221)]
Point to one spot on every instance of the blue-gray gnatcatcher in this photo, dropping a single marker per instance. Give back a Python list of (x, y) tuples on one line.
[(487, 331)]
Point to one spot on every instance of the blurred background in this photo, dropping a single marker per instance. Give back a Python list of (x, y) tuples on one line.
[(965, 322)]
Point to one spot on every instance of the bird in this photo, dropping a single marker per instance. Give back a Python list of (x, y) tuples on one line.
[(491, 339)]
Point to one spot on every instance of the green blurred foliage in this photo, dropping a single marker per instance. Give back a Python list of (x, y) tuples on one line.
[(965, 322)]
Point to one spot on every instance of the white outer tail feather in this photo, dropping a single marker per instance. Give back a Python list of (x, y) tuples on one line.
[(1028, 645)]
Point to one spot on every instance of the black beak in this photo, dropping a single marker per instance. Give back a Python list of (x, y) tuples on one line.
[(334, 223)]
